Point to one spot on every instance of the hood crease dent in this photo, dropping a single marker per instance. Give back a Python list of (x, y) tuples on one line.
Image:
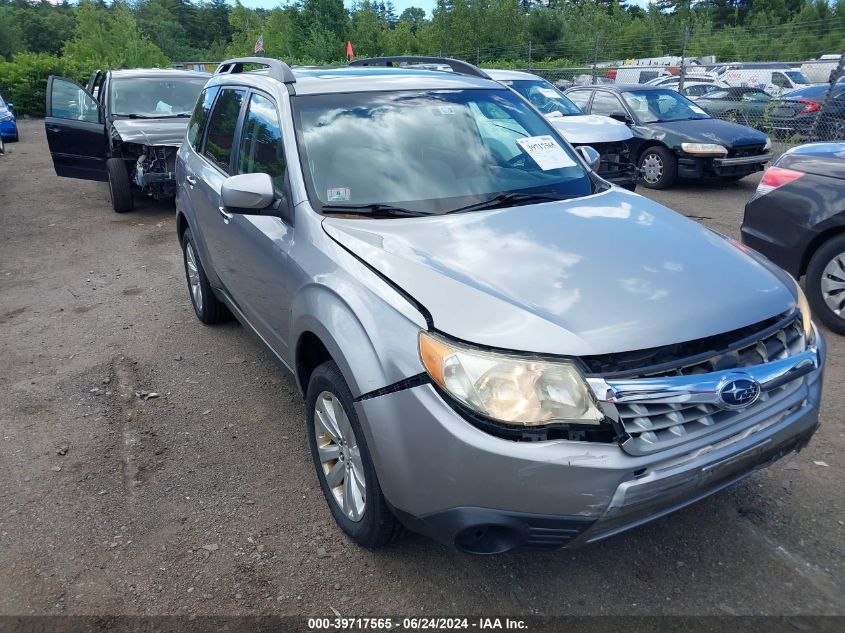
[(152, 132), (611, 272)]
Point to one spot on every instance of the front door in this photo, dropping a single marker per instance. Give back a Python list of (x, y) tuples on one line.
[(259, 271), (75, 131)]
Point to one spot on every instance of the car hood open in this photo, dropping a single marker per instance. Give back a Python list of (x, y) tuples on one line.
[(709, 131), (606, 273), (590, 128), (152, 131)]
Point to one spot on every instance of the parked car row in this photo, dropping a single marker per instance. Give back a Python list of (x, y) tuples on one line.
[(497, 347)]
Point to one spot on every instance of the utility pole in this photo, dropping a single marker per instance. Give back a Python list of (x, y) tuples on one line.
[(595, 58), (683, 60), (834, 77)]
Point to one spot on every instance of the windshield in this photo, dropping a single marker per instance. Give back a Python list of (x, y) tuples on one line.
[(155, 97), (796, 76), (430, 152), (545, 97), (651, 106)]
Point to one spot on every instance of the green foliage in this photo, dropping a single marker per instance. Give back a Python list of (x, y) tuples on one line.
[(23, 80), (38, 37), (111, 39)]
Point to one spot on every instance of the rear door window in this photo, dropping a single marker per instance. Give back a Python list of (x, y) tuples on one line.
[(221, 128)]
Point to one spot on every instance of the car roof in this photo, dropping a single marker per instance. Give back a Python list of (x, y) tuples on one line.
[(510, 75), (157, 72), (313, 81), (816, 90)]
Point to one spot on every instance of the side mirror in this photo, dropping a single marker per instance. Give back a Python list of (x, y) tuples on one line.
[(621, 117), (248, 193), (11, 106), (591, 156)]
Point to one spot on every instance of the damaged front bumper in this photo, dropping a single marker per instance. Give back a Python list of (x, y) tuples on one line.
[(449, 480)]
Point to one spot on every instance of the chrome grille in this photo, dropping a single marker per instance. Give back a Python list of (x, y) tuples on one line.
[(655, 426)]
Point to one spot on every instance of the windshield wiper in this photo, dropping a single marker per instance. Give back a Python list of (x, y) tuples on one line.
[(375, 210), (510, 198)]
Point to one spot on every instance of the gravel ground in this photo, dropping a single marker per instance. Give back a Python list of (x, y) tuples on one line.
[(203, 500)]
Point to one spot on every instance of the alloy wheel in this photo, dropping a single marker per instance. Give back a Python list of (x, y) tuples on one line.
[(340, 455), (652, 167), (833, 284), (193, 276)]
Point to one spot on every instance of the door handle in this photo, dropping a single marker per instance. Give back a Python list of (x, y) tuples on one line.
[(226, 215), (54, 128), (191, 180)]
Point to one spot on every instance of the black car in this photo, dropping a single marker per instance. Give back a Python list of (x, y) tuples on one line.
[(797, 219), (675, 137), (126, 135), (798, 111)]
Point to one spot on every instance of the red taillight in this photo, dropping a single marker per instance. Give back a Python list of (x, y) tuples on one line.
[(776, 177), (809, 106)]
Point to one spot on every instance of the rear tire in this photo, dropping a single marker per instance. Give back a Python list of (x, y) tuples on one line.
[(120, 187), (337, 441), (825, 283), (659, 167), (208, 308)]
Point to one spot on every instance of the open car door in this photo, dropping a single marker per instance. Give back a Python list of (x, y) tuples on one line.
[(76, 131)]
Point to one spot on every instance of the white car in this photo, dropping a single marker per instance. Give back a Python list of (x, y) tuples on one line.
[(610, 138), (695, 84)]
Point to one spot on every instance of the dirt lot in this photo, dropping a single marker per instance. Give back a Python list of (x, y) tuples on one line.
[(203, 500)]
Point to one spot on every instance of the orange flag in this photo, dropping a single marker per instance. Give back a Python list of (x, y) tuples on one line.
[(349, 53)]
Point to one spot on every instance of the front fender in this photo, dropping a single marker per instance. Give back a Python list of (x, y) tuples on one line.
[(373, 343)]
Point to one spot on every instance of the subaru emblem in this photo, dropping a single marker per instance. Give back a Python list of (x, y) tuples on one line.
[(738, 391)]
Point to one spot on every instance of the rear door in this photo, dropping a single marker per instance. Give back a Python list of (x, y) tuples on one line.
[(76, 132)]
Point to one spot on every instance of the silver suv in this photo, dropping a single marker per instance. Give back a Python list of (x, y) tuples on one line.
[(497, 347)]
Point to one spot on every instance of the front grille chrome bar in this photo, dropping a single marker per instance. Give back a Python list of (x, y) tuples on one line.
[(702, 388)]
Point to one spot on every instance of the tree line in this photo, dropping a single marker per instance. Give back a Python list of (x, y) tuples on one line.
[(38, 36)]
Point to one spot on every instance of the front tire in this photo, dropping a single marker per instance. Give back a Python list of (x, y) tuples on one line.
[(208, 308), (659, 167), (342, 460), (825, 283), (120, 187)]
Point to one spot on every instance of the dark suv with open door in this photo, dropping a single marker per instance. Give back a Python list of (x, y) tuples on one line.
[(126, 135)]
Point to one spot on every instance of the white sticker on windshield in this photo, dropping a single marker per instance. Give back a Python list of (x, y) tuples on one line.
[(548, 93), (697, 110), (546, 152), (338, 194)]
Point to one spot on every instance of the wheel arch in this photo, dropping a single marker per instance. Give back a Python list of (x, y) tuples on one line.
[(648, 145), (816, 243), (325, 324)]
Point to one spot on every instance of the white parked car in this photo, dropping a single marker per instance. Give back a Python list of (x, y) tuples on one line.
[(775, 81), (607, 136), (695, 84)]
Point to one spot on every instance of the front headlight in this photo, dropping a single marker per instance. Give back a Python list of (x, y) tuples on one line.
[(6, 117), (768, 144), (711, 149), (510, 389), (806, 317)]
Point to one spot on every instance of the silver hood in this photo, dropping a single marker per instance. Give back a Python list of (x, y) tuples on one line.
[(606, 273), (590, 128), (153, 132)]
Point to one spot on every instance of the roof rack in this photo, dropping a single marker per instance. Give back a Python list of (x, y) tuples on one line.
[(457, 66), (276, 68)]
